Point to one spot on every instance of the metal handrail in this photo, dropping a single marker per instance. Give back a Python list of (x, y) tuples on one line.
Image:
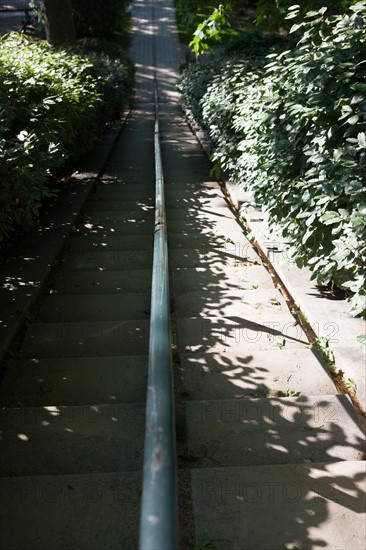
[(158, 520)]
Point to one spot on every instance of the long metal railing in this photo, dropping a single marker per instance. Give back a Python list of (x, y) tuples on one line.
[(158, 521)]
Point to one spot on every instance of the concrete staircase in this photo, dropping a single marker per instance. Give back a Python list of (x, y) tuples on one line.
[(276, 457), (73, 397)]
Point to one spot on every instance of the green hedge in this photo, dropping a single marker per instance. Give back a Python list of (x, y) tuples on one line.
[(53, 106), (294, 134)]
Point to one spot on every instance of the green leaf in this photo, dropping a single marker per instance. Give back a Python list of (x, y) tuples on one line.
[(295, 27), (353, 119), (361, 338), (362, 139)]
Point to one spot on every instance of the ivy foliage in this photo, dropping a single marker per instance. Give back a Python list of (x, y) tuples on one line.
[(209, 31), (53, 105), (293, 132)]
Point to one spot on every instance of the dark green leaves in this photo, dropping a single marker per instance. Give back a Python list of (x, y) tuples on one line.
[(53, 105)]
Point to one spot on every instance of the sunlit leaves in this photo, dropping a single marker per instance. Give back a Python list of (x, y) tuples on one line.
[(53, 104), (209, 30)]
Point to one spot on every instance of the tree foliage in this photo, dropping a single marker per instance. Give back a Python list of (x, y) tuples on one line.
[(272, 14), (89, 18), (209, 30), (293, 132), (269, 14)]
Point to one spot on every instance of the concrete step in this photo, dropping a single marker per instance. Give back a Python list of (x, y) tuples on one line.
[(84, 439), (256, 374), (197, 202), (102, 282), (249, 277), (109, 185), (278, 430), (240, 303), (61, 512), (94, 308), (108, 338), (209, 256), (187, 193), (117, 224), (204, 215), (101, 239), (100, 259), (123, 190), (191, 224), (132, 215), (201, 185), (178, 170), (239, 335), (74, 381), (101, 204), (190, 194), (282, 507), (140, 194), (232, 242), (120, 225)]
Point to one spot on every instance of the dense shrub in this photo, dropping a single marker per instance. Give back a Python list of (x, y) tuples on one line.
[(53, 106), (294, 134), (193, 84)]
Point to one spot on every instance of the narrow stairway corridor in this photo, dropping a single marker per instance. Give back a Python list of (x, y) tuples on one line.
[(270, 457)]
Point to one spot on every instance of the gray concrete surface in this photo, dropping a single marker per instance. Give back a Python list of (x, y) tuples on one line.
[(256, 374), (110, 379), (256, 431), (87, 511), (73, 439), (282, 507), (329, 317)]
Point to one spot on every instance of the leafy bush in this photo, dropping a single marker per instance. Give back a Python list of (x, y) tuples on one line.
[(244, 54), (53, 106), (294, 134), (209, 31), (189, 14), (114, 77), (193, 84)]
